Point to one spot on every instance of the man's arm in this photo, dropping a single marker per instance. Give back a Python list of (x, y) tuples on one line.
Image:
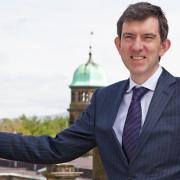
[(67, 145)]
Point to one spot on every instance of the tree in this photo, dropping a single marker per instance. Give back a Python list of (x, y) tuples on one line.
[(34, 126)]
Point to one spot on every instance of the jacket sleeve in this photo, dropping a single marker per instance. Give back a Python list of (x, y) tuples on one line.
[(67, 145)]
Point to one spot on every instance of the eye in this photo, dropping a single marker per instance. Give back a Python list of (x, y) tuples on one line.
[(149, 36), (128, 36)]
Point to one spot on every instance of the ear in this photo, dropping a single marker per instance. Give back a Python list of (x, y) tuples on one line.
[(117, 42), (165, 45)]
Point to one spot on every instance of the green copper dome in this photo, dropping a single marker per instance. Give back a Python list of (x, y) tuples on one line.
[(89, 74)]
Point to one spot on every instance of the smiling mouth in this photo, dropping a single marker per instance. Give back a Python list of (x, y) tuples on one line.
[(137, 58)]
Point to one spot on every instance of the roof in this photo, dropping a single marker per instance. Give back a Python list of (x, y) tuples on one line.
[(21, 173), (89, 74)]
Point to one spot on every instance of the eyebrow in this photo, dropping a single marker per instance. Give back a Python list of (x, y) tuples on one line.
[(132, 34), (150, 34), (127, 34)]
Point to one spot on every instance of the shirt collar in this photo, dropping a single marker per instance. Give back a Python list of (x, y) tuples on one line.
[(149, 84)]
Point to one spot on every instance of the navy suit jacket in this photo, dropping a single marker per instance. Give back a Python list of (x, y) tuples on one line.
[(158, 152)]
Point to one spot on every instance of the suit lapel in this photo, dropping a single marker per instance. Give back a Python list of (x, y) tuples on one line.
[(117, 98), (162, 94)]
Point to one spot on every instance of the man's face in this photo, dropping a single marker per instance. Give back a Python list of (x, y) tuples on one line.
[(140, 47)]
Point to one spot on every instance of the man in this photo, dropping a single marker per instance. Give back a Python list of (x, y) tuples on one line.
[(137, 139)]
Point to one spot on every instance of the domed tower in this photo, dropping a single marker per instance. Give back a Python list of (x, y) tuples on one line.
[(87, 77)]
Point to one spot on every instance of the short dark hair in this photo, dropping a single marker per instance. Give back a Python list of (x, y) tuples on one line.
[(141, 11)]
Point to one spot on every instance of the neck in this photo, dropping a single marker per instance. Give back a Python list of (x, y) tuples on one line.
[(141, 78)]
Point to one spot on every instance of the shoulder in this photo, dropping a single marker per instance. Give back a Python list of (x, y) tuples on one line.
[(178, 82), (169, 79), (177, 79)]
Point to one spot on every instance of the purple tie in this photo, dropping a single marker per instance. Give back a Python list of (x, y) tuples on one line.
[(133, 123)]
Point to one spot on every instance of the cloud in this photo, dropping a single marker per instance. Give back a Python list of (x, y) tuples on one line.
[(13, 24), (43, 42), (42, 95)]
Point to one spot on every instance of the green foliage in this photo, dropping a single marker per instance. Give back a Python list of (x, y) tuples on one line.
[(34, 126)]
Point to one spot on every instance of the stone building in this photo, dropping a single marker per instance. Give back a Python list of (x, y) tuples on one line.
[(86, 79)]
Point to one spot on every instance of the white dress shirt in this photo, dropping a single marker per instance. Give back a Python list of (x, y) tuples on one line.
[(145, 102)]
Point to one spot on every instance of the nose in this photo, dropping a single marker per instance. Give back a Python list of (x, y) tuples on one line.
[(137, 45)]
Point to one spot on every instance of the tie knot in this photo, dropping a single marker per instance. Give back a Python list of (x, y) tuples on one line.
[(138, 93)]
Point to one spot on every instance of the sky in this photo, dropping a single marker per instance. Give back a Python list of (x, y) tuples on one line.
[(42, 42)]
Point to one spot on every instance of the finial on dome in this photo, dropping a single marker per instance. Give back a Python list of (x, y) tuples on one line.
[(90, 47)]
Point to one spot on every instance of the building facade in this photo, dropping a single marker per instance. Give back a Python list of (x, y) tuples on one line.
[(86, 79)]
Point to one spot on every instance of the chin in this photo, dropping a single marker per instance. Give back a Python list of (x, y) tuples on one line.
[(138, 71)]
